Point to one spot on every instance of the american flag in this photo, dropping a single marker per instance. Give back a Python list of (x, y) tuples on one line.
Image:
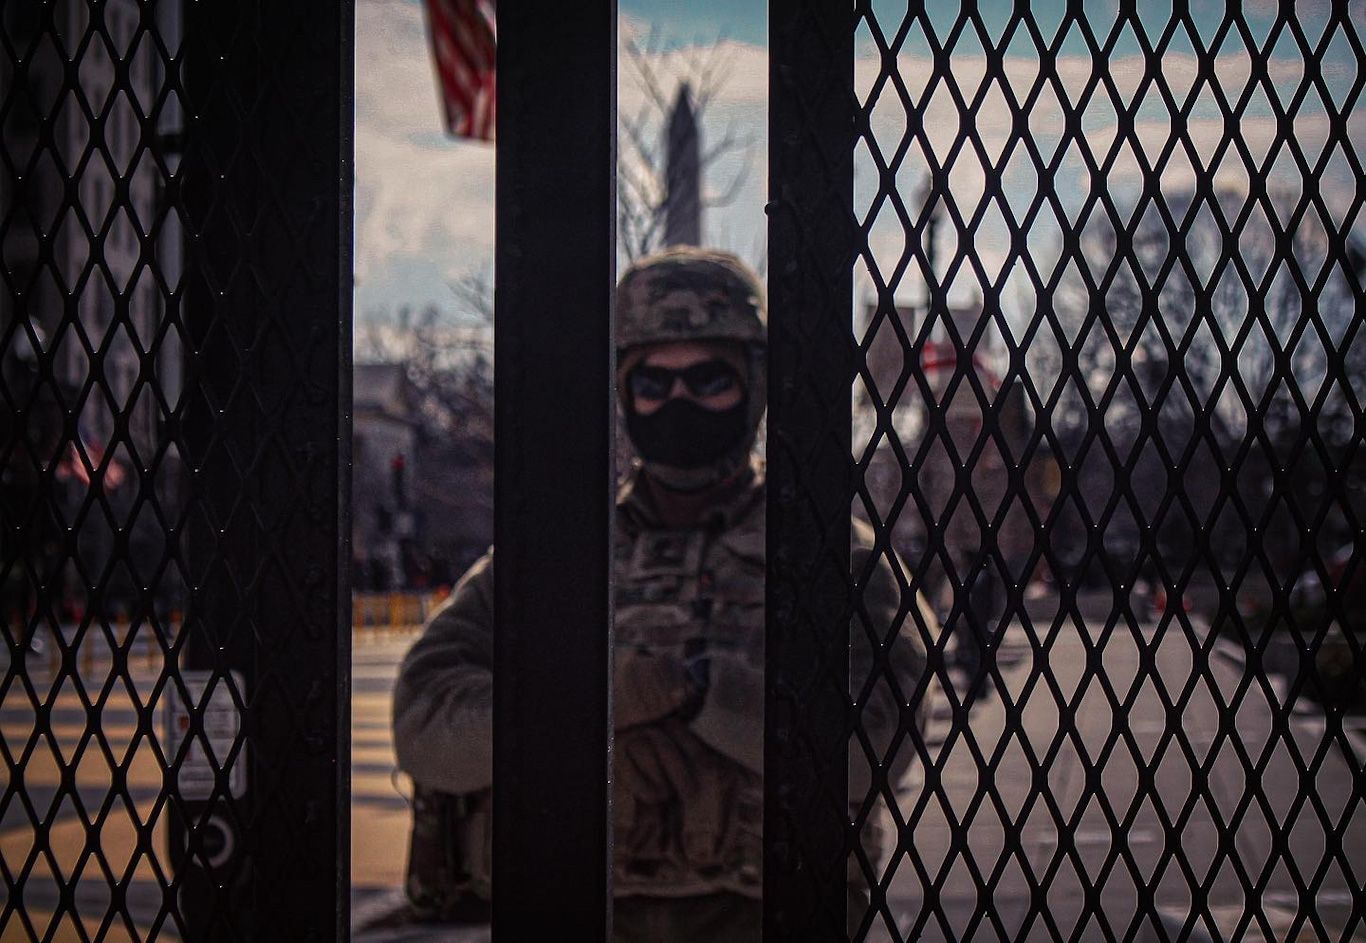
[(464, 44)]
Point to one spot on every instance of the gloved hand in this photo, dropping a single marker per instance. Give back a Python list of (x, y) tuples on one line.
[(673, 795), (648, 687), (647, 766)]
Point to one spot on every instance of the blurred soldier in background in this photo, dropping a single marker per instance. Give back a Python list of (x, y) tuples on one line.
[(689, 658)]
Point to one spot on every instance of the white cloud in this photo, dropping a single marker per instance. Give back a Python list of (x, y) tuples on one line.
[(447, 202), (745, 69), (395, 82), (974, 186), (424, 203)]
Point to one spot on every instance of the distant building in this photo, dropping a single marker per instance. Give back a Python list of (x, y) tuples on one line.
[(422, 508), (80, 205), (66, 198)]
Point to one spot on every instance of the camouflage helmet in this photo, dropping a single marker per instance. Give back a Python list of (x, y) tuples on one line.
[(690, 294), (685, 293)]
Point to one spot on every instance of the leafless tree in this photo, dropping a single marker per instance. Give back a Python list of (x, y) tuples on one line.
[(1216, 330), (643, 187), (1209, 307), (448, 363), (473, 291)]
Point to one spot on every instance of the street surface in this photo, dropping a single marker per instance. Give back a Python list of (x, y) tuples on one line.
[(1134, 838), (380, 822), (1128, 846), (127, 831)]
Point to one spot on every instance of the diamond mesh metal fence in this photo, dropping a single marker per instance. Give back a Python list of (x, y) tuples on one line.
[(1067, 350), (1067, 367), (174, 337)]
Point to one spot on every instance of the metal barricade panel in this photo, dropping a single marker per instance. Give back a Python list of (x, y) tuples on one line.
[(1098, 275), (174, 335)]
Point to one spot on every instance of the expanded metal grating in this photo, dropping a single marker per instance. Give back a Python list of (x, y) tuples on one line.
[(174, 249), (1067, 304), (1098, 394)]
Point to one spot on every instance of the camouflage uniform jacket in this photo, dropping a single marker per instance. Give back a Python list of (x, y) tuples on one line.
[(689, 787)]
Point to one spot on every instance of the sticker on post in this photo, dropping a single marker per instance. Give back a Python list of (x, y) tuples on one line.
[(209, 747)]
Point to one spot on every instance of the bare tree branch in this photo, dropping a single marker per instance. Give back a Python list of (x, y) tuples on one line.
[(728, 195), (644, 186), (474, 291)]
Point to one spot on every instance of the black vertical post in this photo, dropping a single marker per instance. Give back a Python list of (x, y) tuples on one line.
[(554, 485), (344, 184), (811, 254), (264, 192)]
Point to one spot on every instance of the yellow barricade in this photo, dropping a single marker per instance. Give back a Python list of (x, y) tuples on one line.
[(398, 611)]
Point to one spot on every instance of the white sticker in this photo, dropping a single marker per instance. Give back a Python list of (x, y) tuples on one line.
[(197, 772)]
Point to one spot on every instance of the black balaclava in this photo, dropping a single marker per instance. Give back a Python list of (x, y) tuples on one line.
[(713, 446), (685, 435), (690, 294)]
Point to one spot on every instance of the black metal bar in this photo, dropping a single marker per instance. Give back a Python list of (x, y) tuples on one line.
[(553, 492), (811, 253), (265, 183), (345, 181)]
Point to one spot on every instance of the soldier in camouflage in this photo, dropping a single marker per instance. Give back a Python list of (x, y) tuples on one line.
[(689, 557)]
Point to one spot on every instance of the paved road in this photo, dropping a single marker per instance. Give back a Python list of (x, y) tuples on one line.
[(379, 810), (132, 830), (1097, 864), (128, 827), (1118, 841)]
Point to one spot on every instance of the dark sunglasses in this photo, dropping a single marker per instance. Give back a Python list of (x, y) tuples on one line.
[(708, 378)]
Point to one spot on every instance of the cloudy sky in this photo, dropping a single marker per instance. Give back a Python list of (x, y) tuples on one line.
[(424, 203)]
